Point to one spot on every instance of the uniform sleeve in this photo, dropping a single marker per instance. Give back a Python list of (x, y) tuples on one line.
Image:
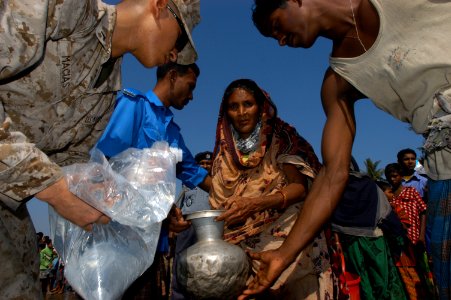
[(26, 25), (23, 27), (24, 169), (188, 171)]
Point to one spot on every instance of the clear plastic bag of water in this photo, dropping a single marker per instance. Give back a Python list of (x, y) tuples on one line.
[(136, 189), (101, 264)]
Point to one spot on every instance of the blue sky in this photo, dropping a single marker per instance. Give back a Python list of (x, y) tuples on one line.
[(229, 48)]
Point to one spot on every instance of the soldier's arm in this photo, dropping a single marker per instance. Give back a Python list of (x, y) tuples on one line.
[(23, 35), (26, 26), (25, 171)]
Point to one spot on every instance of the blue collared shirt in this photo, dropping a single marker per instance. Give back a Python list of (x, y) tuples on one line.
[(417, 181), (138, 121)]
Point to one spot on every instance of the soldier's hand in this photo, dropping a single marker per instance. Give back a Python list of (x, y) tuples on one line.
[(70, 206)]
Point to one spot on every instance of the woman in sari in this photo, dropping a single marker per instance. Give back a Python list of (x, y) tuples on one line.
[(261, 172)]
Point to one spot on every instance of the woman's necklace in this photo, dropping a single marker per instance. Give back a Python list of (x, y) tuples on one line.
[(355, 25)]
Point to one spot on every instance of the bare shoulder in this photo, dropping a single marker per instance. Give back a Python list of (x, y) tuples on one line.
[(336, 87)]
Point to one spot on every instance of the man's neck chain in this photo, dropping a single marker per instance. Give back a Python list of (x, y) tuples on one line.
[(355, 25)]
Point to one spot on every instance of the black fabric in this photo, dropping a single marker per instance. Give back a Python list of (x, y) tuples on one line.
[(358, 206)]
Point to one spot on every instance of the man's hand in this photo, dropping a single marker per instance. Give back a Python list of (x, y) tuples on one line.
[(70, 206), (177, 222), (238, 209), (272, 265)]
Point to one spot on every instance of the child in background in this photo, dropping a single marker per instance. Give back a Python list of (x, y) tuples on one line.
[(400, 211), (410, 207), (410, 200)]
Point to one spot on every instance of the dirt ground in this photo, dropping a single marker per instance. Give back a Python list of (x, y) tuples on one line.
[(63, 296)]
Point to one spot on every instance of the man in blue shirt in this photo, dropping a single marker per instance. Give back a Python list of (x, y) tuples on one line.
[(139, 120), (407, 158)]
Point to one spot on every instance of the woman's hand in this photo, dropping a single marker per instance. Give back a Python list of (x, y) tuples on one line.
[(238, 209)]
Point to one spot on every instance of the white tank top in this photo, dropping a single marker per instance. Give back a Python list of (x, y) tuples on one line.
[(407, 64)]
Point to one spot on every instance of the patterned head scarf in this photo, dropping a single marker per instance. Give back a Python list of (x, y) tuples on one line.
[(257, 173)]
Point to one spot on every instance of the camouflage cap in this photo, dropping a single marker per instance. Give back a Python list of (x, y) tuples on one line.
[(190, 16)]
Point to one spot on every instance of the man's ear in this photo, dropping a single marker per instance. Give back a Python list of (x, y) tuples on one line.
[(157, 6)]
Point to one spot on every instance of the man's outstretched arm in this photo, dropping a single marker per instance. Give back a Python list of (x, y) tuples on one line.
[(326, 191)]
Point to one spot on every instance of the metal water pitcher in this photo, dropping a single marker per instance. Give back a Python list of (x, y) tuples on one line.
[(212, 268)]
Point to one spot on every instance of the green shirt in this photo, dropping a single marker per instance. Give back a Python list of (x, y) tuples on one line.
[(46, 257)]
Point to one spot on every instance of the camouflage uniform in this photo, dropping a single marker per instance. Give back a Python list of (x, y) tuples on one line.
[(57, 91)]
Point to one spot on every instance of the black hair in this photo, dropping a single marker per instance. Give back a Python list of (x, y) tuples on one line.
[(46, 239), (247, 85), (180, 69), (403, 152), (261, 12), (393, 167)]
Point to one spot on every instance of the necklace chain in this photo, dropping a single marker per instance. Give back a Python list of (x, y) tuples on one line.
[(355, 25)]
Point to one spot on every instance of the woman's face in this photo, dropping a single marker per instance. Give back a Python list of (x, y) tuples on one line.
[(243, 112)]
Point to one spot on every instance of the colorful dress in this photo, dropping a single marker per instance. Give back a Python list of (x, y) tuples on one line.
[(258, 174), (410, 201), (409, 205)]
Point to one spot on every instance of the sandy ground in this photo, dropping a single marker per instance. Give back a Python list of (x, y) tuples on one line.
[(63, 296)]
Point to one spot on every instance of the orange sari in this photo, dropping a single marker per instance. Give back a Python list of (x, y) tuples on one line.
[(258, 174)]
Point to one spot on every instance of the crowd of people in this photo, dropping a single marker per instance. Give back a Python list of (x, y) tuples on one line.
[(60, 96), (260, 172)]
